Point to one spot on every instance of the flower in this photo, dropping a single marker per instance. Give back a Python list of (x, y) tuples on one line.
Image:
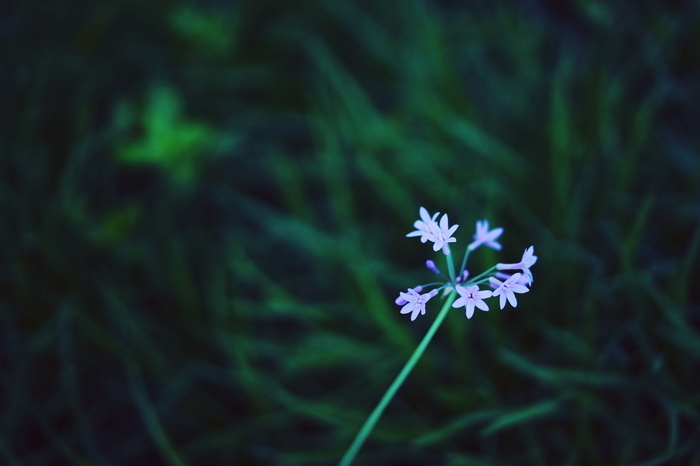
[(429, 230), (523, 280), (470, 297), (486, 237), (413, 302), (527, 261), (443, 235), (507, 289), (426, 226), (506, 281), (400, 301)]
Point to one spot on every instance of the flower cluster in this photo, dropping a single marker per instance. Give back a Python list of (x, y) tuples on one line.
[(470, 295)]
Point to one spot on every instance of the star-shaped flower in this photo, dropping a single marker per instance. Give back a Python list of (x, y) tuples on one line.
[(507, 289), (429, 230), (426, 226), (470, 297), (527, 261), (413, 302), (523, 280), (486, 237), (443, 235)]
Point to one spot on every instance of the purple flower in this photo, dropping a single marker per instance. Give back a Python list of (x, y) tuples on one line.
[(400, 301), (413, 302), (508, 289), (443, 235), (429, 230), (523, 280), (470, 297), (486, 237), (426, 226), (527, 261)]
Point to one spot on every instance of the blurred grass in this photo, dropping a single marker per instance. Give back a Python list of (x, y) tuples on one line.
[(204, 215)]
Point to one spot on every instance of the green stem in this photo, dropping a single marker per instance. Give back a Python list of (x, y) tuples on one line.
[(464, 260), (367, 427), (450, 265), (482, 275)]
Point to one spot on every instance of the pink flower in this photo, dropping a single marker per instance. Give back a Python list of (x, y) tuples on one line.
[(471, 297)]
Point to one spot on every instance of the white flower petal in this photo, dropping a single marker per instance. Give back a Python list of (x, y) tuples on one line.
[(470, 308), (519, 288), (481, 305), (511, 299)]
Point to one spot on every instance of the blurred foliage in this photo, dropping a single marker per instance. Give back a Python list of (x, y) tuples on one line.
[(205, 206), (169, 141), (206, 32)]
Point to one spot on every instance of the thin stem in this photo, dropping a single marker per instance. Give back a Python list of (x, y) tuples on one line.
[(481, 275), (450, 264), (479, 282), (464, 260), (367, 427), (432, 284)]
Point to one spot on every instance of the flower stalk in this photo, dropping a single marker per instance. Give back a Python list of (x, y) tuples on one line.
[(369, 424)]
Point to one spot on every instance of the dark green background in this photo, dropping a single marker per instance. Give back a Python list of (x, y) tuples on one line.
[(204, 209)]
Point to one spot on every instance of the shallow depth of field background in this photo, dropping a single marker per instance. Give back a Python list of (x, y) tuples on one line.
[(204, 209)]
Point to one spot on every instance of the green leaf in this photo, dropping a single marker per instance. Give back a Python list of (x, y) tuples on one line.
[(520, 416)]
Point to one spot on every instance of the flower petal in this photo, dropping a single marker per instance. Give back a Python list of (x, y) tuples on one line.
[(513, 279), (481, 304), (470, 308), (519, 288), (511, 299), (444, 223), (424, 215)]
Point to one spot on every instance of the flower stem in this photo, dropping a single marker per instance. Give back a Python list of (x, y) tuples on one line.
[(367, 427), (450, 265), (464, 260), (482, 275)]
